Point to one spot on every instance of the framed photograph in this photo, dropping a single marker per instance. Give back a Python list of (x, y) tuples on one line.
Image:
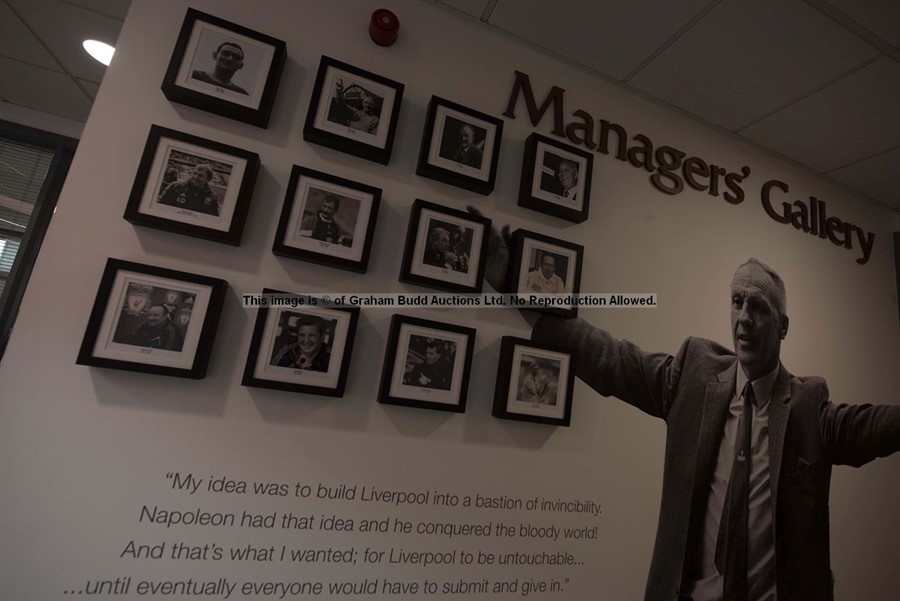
[(534, 382), (192, 186), (353, 111), (328, 220), (153, 320), (460, 146), (301, 348), (427, 364), (224, 68), (545, 265), (556, 179), (445, 248)]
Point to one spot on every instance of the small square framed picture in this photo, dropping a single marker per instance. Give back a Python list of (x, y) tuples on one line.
[(153, 320), (545, 265), (534, 382), (328, 220), (445, 248), (225, 68), (353, 111), (427, 364), (460, 146), (301, 348), (556, 179), (192, 186)]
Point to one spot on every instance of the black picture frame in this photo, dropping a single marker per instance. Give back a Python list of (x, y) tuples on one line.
[(347, 242), (250, 94), (339, 116), (556, 179), (466, 160), (271, 358), (547, 397), (407, 377), (526, 277), (464, 239), (163, 196), (179, 344)]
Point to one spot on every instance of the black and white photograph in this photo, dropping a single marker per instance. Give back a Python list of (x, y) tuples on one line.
[(460, 146), (556, 179), (545, 265), (224, 68), (353, 111), (444, 248), (154, 320), (534, 382), (301, 349), (192, 186), (427, 364), (328, 220)]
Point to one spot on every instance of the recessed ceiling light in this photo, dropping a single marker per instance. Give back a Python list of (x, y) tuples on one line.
[(99, 50)]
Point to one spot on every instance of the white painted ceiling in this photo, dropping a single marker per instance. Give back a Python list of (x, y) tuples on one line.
[(817, 81)]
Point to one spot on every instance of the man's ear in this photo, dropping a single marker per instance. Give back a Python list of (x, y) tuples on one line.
[(784, 326)]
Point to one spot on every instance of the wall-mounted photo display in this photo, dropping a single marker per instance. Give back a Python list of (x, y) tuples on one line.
[(153, 320), (192, 186), (545, 265), (328, 220), (427, 364), (534, 382), (353, 111), (556, 179), (445, 248), (301, 349), (460, 146), (224, 68)]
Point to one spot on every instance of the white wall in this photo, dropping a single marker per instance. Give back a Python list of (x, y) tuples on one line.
[(85, 448)]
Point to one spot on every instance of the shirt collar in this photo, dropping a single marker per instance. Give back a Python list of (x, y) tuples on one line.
[(762, 387)]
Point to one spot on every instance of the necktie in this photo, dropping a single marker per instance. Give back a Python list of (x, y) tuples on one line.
[(731, 546)]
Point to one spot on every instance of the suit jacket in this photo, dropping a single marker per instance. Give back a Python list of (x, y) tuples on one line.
[(691, 392)]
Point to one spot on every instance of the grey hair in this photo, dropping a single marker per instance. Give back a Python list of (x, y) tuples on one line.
[(780, 299)]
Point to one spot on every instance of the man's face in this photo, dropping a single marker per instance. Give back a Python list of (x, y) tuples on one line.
[(756, 326), (568, 176), (441, 240), (548, 266), (431, 355), (156, 316), (368, 105), (465, 137), (229, 58), (309, 339), (328, 209), (199, 177)]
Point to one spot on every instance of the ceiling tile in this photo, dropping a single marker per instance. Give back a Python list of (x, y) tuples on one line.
[(881, 17), (116, 9), (470, 7), (852, 119), (63, 27), (876, 177), (609, 37), (42, 90), (91, 87), (745, 59), (17, 42)]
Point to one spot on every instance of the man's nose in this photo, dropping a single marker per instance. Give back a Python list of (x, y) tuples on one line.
[(744, 314)]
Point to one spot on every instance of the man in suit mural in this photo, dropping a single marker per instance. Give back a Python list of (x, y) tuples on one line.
[(749, 446)]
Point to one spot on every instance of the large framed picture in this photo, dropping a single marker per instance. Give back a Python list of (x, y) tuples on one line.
[(534, 382), (427, 364), (153, 320), (445, 248), (556, 179), (224, 68), (353, 111), (328, 220), (192, 186), (544, 265), (460, 146), (301, 348)]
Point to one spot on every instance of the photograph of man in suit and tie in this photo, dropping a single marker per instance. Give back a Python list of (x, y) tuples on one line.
[(750, 447)]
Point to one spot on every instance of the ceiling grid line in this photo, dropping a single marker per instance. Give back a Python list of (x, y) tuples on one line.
[(864, 159), (91, 10), (849, 24)]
